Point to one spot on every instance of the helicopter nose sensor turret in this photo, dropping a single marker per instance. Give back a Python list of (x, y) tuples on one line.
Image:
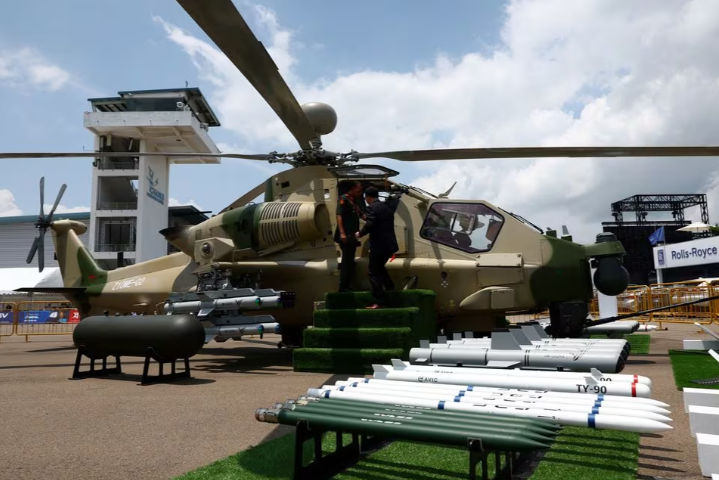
[(610, 278), (321, 116)]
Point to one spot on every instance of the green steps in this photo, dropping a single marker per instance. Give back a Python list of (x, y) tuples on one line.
[(347, 338), (358, 338), (342, 360), (397, 298), (383, 317)]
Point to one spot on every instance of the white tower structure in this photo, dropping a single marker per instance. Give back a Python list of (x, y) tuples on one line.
[(130, 194)]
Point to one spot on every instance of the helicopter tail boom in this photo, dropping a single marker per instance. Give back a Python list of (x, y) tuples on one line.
[(77, 266)]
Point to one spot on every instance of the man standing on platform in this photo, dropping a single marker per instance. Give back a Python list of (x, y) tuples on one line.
[(350, 208), (382, 242)]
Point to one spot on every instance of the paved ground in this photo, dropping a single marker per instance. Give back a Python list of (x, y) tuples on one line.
[(113, 428), (673, 454)]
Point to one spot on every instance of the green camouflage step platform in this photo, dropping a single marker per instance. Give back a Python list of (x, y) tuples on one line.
[(343, 360), (347, 338), (359, 338)]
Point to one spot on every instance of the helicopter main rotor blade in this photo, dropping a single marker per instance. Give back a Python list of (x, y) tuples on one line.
[(542, 152), (221, 21), (262, 156)]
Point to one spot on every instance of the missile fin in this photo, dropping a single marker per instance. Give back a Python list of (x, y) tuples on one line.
[(501, 364), (504, 341), (398, 364), (380, 371)]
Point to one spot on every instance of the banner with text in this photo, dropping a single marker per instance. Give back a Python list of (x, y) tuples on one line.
[(684, 254)]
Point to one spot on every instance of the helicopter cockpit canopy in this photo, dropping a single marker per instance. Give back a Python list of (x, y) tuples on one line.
[(364, 172), (470, 227)]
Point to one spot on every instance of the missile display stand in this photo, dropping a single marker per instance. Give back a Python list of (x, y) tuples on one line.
[(344, 456), (162, 376), (95, 372), (329, 465), (147, 379)]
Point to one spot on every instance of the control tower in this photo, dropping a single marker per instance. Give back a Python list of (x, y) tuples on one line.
[(129, 203)]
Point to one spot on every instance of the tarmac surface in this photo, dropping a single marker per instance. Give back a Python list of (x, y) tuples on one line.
[(113, 428)]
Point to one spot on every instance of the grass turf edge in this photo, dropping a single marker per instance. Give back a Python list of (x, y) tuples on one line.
[(690, 365), (576, 453)]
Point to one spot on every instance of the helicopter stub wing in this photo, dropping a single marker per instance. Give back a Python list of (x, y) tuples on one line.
[(541, 152), (221, 21)]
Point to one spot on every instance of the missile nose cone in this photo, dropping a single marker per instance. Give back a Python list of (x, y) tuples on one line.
[(314, 392), (641, 390)]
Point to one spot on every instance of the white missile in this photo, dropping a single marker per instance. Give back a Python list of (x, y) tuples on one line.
[(576, 386), (581, 361), (476, 398), (583, 400), (591, 420), (506, 350), (571, 348), (647, 328), (515, 372), (544, 393), (620, 326)]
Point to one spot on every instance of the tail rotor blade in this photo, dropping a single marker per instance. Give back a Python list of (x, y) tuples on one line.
[(42, 198), (33, 249), (57, 201), (41, 250)]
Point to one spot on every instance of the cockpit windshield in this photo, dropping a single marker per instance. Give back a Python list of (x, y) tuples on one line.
[(471, 227)]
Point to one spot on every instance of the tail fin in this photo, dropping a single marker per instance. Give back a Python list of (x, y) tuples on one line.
[(77, 266)]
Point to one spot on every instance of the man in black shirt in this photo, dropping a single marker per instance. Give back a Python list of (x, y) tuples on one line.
[(350, 209), (382, 242)]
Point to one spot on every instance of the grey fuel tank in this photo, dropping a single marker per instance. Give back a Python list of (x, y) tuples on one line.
[(169, 336)]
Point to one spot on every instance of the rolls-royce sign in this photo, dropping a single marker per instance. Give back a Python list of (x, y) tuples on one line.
[(695, 252)]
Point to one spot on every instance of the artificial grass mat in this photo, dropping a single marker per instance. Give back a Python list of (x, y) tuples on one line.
[(342, 360), (693, 365), (576, 453), (590, 454), (639, 343), (358, 338)]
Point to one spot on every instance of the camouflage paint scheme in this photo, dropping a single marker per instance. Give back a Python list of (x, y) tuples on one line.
[(286, 243)]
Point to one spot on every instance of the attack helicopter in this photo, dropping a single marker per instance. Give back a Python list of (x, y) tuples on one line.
[(481, 260)]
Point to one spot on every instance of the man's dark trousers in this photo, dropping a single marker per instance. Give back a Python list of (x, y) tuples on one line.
[(347, 268), (378, 277)]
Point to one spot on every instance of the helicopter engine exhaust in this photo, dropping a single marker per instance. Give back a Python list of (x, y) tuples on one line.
[(260, 227)]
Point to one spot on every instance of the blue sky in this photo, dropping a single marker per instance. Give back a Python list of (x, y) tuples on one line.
[(401, 74)]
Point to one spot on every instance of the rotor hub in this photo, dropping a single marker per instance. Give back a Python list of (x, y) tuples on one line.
[(321, 116)]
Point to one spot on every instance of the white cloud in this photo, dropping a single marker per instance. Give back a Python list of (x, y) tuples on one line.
[(8, 208), (65, 209), (597, 72), (27, 67), (173, 202)]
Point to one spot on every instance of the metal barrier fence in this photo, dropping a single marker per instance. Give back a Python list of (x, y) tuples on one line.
[(644, 297), (7, 318), (37, 318)]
